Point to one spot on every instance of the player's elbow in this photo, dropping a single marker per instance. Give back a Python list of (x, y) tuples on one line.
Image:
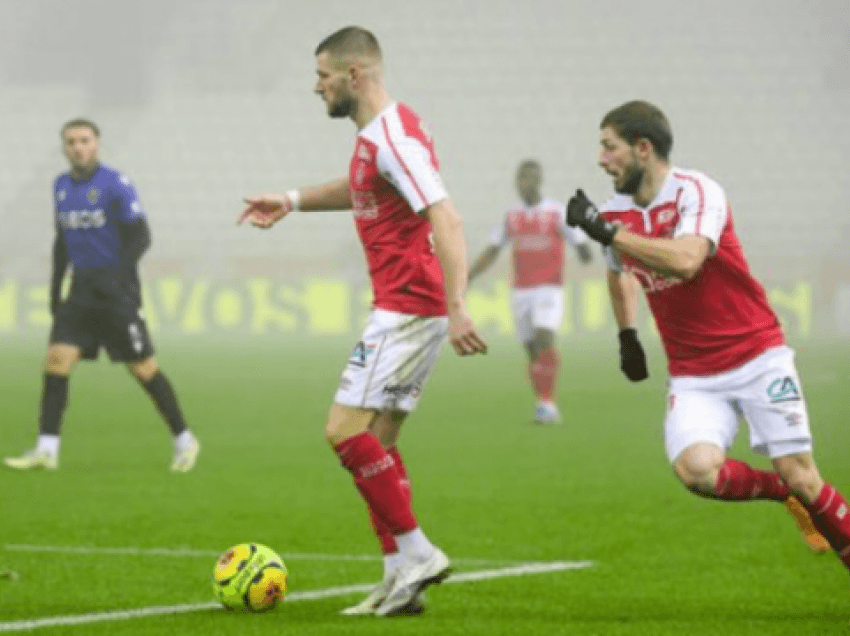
[(688, 264)]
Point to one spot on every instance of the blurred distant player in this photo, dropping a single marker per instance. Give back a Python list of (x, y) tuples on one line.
[(672, 230), (537, 229), (101, 231), (416, 253)]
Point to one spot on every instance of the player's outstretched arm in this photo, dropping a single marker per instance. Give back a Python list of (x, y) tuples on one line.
[(265, 210), (623, 291), (450, 247), (484, 261)]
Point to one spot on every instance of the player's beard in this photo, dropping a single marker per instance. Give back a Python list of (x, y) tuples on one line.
[(632, 178), (341, 108)]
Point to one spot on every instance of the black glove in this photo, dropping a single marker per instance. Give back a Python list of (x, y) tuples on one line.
[(632, 357), (582, 213)]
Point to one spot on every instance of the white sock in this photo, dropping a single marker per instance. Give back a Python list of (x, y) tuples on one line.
[(48, 444), (185, 439), (391, 563), (414, 545)]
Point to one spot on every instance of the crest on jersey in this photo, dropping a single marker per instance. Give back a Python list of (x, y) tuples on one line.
[(93, 195), (60, 196), (665, 216)]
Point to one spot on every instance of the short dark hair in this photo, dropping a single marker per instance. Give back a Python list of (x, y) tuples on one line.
[(80, 122), (526, 164), (349, 42), (641, 120)]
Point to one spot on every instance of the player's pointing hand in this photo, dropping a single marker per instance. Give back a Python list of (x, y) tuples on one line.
[(265, 210)]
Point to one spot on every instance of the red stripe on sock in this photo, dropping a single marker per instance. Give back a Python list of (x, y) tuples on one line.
[(737, 481), (377, 479), (831, 516)]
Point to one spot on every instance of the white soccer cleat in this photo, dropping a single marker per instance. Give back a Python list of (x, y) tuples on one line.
[(186, 456), (547, 413), (368, 605), (410, 580), (33, 460)]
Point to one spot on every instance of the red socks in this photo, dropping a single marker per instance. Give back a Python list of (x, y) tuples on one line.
[(831, 516), (385, 537), (377, 479), (737, 481), (543, 373)]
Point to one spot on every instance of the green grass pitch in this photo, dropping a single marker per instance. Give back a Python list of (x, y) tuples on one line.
[(490, 488)]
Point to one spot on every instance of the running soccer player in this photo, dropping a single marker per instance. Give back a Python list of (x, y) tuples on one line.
[(101, 232), (537, 229), (415, 249), (672, 231)]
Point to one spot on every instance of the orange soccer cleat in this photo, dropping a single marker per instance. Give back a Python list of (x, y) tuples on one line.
[(814, 539)]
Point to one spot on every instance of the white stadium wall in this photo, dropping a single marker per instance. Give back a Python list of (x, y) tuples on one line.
[(202, 102)]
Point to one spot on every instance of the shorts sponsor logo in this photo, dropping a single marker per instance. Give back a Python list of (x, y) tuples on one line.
[(794, 419), (671, 402), (783, 390), (400, 390), (361, 353)]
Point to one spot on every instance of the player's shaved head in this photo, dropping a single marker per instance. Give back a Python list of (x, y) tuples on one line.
[(641, 120), (351, 43), (80, 123)]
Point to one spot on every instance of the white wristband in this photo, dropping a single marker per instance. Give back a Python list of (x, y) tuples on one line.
[(294, 199)]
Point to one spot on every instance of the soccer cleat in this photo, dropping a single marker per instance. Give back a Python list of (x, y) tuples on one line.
[(814, 539), (33, 460), (185, 457), (547, 413), (410, 580), (368, 605)]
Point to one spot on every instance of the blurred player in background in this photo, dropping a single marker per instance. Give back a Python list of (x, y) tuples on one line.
[(102, 232), (672, 231), (416, 254), (537, 229)]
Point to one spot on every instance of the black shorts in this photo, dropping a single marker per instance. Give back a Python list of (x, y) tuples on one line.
[(120, 330)]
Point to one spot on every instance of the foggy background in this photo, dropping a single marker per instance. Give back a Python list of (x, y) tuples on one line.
[(202, 102)]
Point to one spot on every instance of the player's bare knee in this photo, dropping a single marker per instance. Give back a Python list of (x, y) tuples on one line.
[(697, 468), (59, 360), (144, 370), (800, 474)]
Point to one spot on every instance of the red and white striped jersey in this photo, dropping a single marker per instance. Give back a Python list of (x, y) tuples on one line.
[(721, 318), (394, 175), (537, 234)]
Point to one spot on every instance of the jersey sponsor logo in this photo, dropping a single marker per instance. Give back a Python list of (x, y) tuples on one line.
[(783, 390), (653, 281), (361, 353), (82, 219), (364, 204), (665, 216), (533, 243), (93, 195)]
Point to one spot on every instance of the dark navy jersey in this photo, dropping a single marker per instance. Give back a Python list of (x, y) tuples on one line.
[(89, 216)]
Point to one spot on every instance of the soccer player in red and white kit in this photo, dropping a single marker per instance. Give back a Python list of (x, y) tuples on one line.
[(536, 227), (672, 231), (416, 253)]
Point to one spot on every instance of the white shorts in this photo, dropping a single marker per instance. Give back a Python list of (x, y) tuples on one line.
[(392, 361), (765, 392), (537, 308)]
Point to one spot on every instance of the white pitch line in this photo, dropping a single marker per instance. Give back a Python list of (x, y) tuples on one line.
[(193, 552), (158, 610)]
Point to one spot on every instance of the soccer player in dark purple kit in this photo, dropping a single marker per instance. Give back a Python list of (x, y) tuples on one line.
[(101, 232)]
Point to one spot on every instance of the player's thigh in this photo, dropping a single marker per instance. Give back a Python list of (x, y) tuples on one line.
[(522, 309), (345, 422), (694, 417), (125, 335), (773, 405), (548, 308), (390, 365), (73, 336), (387, 426)]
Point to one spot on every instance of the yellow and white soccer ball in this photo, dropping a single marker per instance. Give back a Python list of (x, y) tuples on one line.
[(250, 576)]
